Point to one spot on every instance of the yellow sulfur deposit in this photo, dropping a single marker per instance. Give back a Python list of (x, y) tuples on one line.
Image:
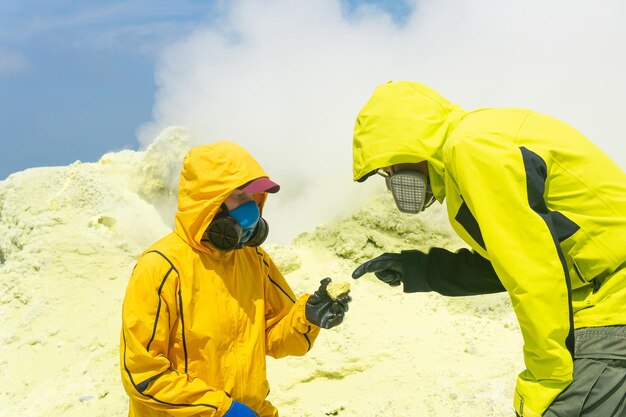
[(337, 289)]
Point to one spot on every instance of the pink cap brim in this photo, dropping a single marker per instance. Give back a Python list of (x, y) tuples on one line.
[(261, 184)]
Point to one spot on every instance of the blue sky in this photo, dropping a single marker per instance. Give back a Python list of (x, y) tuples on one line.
[(77, 77)]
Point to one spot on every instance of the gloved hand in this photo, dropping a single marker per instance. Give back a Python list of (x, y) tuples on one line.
[(238, 409), (387, 268), (322, 311)]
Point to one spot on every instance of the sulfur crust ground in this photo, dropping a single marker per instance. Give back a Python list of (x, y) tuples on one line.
[(69, 237)]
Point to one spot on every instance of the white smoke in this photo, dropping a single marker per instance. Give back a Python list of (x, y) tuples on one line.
[(286, 80)]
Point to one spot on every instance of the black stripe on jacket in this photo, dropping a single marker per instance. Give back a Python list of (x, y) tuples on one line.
[(560, 226), (142, 386), (306, 336)]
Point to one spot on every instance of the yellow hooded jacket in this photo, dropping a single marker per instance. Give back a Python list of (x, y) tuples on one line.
[(197, 323), (530, 194)]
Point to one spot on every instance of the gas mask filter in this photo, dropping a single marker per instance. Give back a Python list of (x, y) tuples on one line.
[(243, 226), (410, 190)]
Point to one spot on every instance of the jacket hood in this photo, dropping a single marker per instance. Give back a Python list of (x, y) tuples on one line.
[(404, 122), (209, 174)]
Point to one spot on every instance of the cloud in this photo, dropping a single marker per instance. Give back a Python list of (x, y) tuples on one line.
[(13, 62), (286, 79)]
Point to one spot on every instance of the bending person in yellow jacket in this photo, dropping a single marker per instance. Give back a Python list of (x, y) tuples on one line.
[(205, 304), (544, 212)]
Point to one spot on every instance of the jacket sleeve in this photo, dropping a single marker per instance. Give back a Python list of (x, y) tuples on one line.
[(457, 273), (288, 332), (500, 188), (149, 310)]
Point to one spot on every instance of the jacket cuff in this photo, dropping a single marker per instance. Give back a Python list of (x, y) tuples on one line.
[(301, 323), (414, 264)]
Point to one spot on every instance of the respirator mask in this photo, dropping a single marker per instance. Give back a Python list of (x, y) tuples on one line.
[(410, 190), (242, 226)]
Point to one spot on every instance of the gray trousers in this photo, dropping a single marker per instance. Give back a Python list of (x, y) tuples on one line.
[(599, 385)]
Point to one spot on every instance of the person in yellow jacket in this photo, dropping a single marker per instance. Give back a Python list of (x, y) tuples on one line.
[(206, 304), (544, 212)]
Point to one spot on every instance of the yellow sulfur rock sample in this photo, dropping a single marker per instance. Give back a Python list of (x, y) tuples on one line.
[(337, 289)]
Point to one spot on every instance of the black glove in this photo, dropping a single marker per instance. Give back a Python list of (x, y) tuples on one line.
[(322, 311), (387, 268)]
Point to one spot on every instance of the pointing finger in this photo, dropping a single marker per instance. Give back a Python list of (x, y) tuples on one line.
[(359, 272)]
